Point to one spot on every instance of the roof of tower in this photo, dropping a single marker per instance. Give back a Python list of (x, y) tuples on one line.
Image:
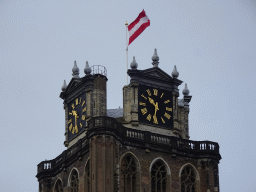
[(115, 113)]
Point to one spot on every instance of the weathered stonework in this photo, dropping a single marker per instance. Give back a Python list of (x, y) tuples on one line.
[(99, 156)]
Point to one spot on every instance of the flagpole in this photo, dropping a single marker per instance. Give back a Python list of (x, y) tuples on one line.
[(126, 51)]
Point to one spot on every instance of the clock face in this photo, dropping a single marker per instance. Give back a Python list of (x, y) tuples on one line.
[(76, 116), (155, 107)]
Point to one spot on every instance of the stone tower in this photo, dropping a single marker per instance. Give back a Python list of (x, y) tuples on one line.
[(142, 147)]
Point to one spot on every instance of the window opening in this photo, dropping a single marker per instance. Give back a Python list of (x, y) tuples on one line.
[(74, 181), (87, 177), (158, 177), (128, 174), (188, 180), (58, 186)]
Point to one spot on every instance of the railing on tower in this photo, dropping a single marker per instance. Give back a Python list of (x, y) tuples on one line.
[(127, 134), (99, 69)]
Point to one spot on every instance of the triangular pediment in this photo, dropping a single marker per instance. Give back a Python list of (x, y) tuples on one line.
[(72, 84), (156, 73)]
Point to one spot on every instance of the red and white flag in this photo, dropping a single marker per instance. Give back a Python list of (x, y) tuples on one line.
[(138, 26)]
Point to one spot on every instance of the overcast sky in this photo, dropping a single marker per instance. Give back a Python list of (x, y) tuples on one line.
[(212, 43)]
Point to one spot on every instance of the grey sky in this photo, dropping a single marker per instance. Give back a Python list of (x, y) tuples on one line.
[(212, 43)]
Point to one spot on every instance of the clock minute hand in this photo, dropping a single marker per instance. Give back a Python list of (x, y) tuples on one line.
[(156, 108), (76, 117), (154, 116)]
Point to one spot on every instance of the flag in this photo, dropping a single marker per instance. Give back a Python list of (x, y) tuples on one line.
[(138, 26)]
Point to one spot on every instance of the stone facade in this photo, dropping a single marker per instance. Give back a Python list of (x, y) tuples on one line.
[(105, 155), (122, 154)]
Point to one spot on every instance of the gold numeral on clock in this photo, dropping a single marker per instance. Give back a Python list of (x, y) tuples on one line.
[(149, 117), (149, 94), (168, 116), (162, 95), (83, 117), (162, 120), (84, 109), (144, 111), (141, 103), (143, 96), (168, 109), (81, 125), (155, 120), (70, 127), (167, 101), (83, 103), (77, 101), (155, 92), (69, 121), (80, 100), (73, 106)]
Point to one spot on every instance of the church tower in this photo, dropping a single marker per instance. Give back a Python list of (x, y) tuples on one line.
[(142, 147)]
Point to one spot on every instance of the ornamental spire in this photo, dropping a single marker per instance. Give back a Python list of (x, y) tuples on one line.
[(64, 86), (87, 69), (185, 90), (175, 73), (75, 71), (155, 59), (134, 64)]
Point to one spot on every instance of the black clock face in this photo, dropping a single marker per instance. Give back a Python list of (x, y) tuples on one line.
[(155, 107), (76, 116)]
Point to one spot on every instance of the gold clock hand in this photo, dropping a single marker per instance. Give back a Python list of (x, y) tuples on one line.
[(154, 116), (151, 101), (76, 116), (156, 108)]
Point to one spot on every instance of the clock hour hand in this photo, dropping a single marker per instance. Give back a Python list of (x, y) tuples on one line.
[(151, 101), (154, 116)]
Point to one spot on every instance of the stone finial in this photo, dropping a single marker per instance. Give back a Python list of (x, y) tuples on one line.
[(64, 86), (75, 71), (87, 69), (134, 64), (175, 73), (185, 90), (155, 59)]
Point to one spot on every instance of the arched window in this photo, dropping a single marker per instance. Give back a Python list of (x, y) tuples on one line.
[(188, 179), (58, 186), (129, 174), (74, 181), (158, 177), (87, 177)]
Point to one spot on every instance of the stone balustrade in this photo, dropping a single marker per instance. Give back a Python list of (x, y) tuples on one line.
[(111, 126)]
